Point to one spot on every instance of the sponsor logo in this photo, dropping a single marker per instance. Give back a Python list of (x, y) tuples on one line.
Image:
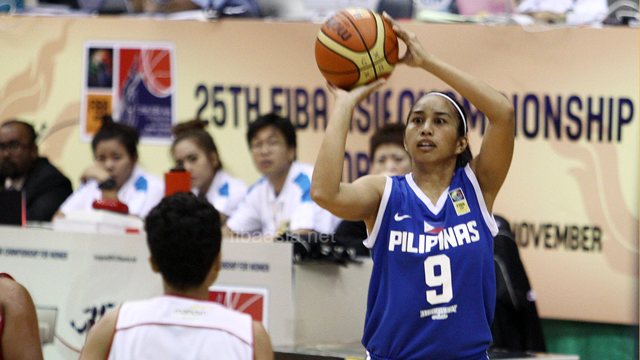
[(192, 311), (459, 201), (398, 217), (439, 313)]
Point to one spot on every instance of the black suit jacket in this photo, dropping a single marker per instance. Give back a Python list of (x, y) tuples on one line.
[(45, 188), (516, 326)]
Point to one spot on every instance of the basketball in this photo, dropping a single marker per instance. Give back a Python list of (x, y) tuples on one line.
[(355, 47)]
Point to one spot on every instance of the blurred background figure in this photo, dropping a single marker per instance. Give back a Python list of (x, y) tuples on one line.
[(280, 202), (23, 169), (571, 12), (115, 174), (194, 150)]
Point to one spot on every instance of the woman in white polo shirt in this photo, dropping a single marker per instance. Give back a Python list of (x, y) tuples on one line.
[(194, 150), (115, 171)]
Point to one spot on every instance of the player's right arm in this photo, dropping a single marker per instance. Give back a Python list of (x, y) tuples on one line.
[(99, 339), (261, 344), (351, 201)]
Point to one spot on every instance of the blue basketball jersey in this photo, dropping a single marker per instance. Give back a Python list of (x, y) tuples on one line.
[(432, 289)]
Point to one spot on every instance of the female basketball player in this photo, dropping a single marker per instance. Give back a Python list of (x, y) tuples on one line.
[(432, 289)]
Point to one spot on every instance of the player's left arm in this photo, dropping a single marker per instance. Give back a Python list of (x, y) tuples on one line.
[(492, 163), (261, 343), (99, 339)]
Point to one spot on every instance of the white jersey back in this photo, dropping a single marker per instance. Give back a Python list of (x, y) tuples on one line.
[(169, 327)]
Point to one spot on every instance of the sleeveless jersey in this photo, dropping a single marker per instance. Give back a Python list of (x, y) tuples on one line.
[(432, 288), (170, 327)]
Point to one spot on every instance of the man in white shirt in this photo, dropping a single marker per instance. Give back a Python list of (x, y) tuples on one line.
[(280, 201), (571, 12), (184, 239)]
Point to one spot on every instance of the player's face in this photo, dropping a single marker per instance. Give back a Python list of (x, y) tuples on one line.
[(270, 152), (390, 159), (17, 154), (188, 155), (431, 133), (113, 157)]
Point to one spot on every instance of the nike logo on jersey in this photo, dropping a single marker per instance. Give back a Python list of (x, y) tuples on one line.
[(398, 217)]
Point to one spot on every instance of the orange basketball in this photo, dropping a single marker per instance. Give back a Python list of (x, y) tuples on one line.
[(355, 47)]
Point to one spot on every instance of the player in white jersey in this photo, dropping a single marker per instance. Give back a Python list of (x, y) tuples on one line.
[(194, 150), (280, 201), (184, 239), (431, 230)]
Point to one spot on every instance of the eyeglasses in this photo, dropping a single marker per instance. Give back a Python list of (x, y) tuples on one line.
[(12, 146), (268, 144)]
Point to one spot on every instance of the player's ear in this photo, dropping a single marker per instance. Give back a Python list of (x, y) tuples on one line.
[(461, 144)]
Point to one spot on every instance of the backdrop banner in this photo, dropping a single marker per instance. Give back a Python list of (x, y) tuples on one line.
[(571, 195)]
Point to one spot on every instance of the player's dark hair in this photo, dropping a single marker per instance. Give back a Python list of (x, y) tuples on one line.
[(194, 130), (466, 156), (124, 134), (392, 133), (283, 125), (184, 237)]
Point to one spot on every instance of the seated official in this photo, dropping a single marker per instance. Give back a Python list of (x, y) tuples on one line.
[(19, 334), (21, 168), (194, 150), (388, 157), (184, 239), (280, 201), (115, 174)]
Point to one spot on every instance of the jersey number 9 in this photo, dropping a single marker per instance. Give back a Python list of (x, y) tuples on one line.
[(443, 279)]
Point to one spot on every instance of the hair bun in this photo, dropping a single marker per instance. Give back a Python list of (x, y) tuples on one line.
[(188, 126), (107, 121)]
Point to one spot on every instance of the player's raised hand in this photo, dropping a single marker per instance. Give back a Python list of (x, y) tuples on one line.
[(415, 55), (354, 96)]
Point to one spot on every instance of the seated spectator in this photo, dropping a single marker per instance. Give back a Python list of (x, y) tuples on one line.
[(280, 201), (184, 239), (115, 174), (448, 6), (388, 157), (217, 8), (19, 336), (579, 12), (21, 168), (194, 150)]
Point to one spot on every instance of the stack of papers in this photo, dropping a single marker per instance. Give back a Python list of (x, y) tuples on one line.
[(99, 221)]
